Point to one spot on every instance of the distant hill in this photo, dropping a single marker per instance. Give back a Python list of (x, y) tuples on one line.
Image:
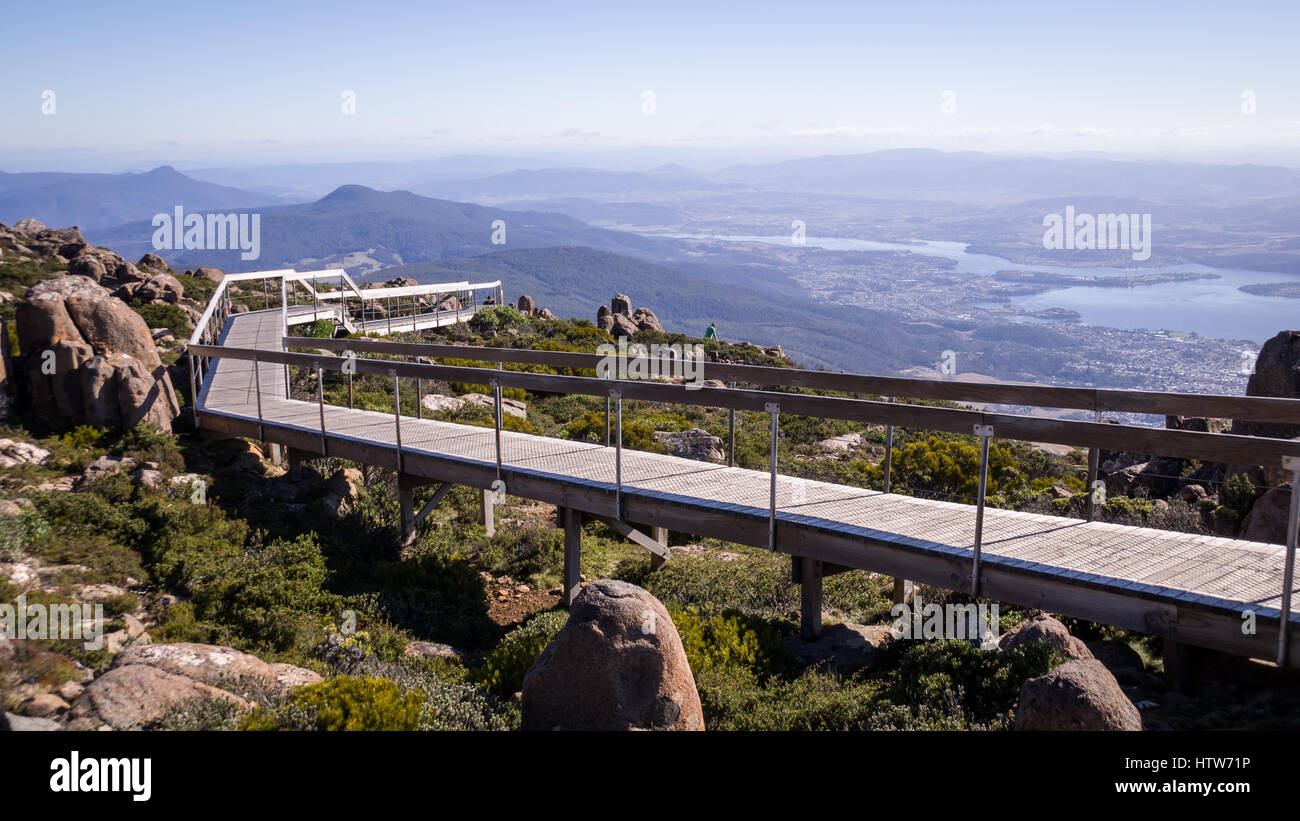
[(311, 181), (387, 227), (563, 182), (573, 282), (96, 201)]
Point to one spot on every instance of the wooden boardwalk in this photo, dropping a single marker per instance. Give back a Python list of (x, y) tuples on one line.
[(1193, 588)]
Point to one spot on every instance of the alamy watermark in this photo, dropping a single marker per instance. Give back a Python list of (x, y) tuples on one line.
[(976, 623), (656, 361), (208, 232), (126, 775), (83, 622), (1089, 232)]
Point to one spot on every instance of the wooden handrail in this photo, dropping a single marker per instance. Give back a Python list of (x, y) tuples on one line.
[(1254, 408), (1218, 447)]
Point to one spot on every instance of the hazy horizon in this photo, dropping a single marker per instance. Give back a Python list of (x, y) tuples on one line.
[(258, 85)]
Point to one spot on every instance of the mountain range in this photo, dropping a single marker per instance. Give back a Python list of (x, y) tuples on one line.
[(97, 201), (386, 228)]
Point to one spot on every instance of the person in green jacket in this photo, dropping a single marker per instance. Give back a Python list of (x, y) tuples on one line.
[(712, 331)]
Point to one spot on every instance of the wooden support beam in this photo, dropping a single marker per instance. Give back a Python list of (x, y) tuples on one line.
[(296, 458), (411, 521), (631, 533), (572, 554), (904, 591), (1183, 664), (406, 501), (273, 452), (660, 535), (810, 596), (828, 569), (487, 512)]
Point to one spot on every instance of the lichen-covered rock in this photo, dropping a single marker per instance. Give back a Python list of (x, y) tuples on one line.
[(618, 664), (20, 453), (213, 664), (139, 696), (87, 358), (692, 444)]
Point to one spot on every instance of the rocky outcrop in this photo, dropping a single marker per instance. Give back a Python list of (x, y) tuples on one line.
[(139, 697), (1267, 519), (154, 264), (646, 320), (341, 491), (214, 666), (1277, 373), (8, 387), (526, 305), (1200, 424), (618, 319), (1044, 629), (692, 444), (618, 664), (841, 444), (87, 358), (160, 288), (431, 649), (211, 274), (621, 325), (439, 403), (1077, 695), (21, 453)]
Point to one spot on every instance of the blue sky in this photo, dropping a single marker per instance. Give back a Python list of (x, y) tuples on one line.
[(263, 82)]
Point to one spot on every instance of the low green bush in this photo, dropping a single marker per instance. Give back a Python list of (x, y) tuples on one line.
[(343, 703), (504, 668), (729, 640)]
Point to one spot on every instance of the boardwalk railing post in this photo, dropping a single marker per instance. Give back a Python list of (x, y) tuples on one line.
[(496, 397), (1094, 460), (617, 396), (607, 400), (349, 390), (257, 386), (984, 432), (284, 328), (731, 433), (1292, 464), (320, 401), (774, 409), (889, 452), (397, 417), (194, 391), (419, 391)]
